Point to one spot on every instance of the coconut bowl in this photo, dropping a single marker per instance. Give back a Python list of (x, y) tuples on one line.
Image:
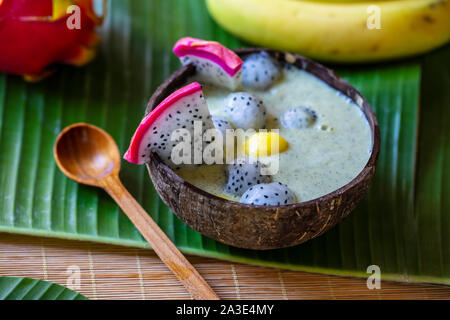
[(262, 227)]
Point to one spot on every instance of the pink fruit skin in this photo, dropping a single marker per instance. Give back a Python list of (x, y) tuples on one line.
[(30, 42), (211, 50), (132, 154)]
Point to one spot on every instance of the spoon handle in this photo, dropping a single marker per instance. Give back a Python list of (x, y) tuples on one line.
[(160, 243)]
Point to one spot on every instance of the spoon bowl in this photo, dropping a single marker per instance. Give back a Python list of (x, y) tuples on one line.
[(86, 153)]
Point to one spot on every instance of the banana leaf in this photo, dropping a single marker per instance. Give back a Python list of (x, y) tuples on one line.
[(16, 288), (403, 225)]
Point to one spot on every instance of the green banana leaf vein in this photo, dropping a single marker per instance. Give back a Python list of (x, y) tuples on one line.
[(18, 288)]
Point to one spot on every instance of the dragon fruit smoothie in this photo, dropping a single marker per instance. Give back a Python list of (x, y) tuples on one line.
[(322, 139), (320, 158)]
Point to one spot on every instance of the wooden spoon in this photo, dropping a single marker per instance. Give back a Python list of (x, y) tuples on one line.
[(89, 155)]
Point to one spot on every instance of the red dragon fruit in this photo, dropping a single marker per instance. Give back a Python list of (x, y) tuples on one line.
[(37, 34), (177, 117), (214, 63)]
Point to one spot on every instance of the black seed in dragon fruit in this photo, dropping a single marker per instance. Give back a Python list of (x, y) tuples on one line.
[(245, 111), (221, 124), (299, 118), (183, 116), (214, 63), (259, 71), (241, 176), (268, 194)]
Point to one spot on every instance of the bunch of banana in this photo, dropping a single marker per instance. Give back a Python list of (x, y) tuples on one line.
[(345, 31)]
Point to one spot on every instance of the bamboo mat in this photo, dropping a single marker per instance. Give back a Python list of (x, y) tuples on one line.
[(112, 272)]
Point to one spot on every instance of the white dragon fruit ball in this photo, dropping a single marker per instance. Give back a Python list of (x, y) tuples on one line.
[(246, 111), (268, 194), (241, 176), (299, 118), (259, 71)]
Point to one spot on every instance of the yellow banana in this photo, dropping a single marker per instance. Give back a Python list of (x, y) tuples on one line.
[(347, 32)]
